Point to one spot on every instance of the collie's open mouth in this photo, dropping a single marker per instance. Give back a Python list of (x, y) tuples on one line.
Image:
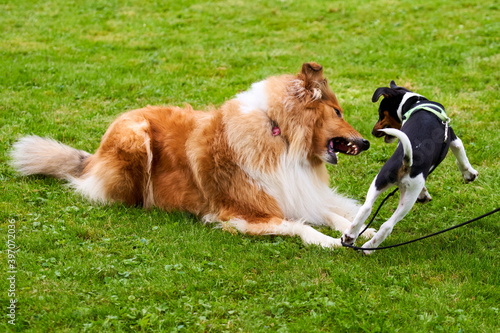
[(341, 145)]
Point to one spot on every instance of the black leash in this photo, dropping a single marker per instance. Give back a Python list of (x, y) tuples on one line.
[(376, 212), (413, 240)]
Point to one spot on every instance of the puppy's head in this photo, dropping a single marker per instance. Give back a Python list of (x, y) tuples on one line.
[(313, 121), (395, 102)]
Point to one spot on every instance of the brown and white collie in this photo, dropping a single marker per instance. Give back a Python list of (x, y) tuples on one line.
[(255, 165)]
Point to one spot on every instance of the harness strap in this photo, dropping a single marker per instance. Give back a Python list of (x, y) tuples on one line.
[(437, 110), (433, 108)]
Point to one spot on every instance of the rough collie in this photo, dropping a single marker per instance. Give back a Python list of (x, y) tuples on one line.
[(255, 165)]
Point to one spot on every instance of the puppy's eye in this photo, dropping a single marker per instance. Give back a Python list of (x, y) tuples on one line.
[(337, 111)]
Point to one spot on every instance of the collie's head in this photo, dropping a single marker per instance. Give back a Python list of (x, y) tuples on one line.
[(294, 114), (310, 117)]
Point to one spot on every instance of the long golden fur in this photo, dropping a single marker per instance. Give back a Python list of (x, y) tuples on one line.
[(256, 164)]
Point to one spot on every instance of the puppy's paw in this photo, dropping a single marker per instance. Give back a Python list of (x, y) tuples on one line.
[(368, 245), (424, 199), (470, 175), (368, 252), (348, 239), (424, 196)]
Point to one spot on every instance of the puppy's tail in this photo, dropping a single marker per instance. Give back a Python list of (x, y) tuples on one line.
[(35, 155), (405, 142)]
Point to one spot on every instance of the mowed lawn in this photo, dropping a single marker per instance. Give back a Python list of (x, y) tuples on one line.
[(68, 68)]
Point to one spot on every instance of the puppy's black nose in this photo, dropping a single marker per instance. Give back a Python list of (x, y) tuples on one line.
[(366, 144)]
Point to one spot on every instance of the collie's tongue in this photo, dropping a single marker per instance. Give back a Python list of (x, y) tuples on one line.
[(333, 154)]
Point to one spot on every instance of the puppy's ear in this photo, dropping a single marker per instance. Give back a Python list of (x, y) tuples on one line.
[(393, 85), (386, 92)]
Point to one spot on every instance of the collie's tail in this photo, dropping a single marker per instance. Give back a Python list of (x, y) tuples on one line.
[(35, 155), (405, 142)]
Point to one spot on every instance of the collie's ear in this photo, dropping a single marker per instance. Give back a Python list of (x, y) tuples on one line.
[(393, 85), (381, 91), (310, 83), (312, 71)]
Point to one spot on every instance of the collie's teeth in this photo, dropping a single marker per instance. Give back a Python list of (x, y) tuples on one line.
[(349, 144)]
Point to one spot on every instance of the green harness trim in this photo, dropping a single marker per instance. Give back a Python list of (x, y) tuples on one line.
[(441, 114)]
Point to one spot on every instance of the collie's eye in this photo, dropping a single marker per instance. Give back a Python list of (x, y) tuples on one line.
[(337, 111)]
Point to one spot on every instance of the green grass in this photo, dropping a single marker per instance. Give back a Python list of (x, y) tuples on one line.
[(68, 68)]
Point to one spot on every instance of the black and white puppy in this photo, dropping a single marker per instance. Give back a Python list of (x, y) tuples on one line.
[(425, 136)]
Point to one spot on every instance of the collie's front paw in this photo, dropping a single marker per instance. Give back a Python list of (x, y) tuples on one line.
[(321, 240), (369, 233), (329, 242)]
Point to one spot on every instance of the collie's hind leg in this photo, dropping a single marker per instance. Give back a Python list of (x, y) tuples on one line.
[(340, 223), (336, 221), (120, 170), (342, 206), (340, 213), (277, 226), (457, 147)]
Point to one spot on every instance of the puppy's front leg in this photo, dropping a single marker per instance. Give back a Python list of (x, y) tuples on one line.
[(468, 172), (410, 188), (352, 232)]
